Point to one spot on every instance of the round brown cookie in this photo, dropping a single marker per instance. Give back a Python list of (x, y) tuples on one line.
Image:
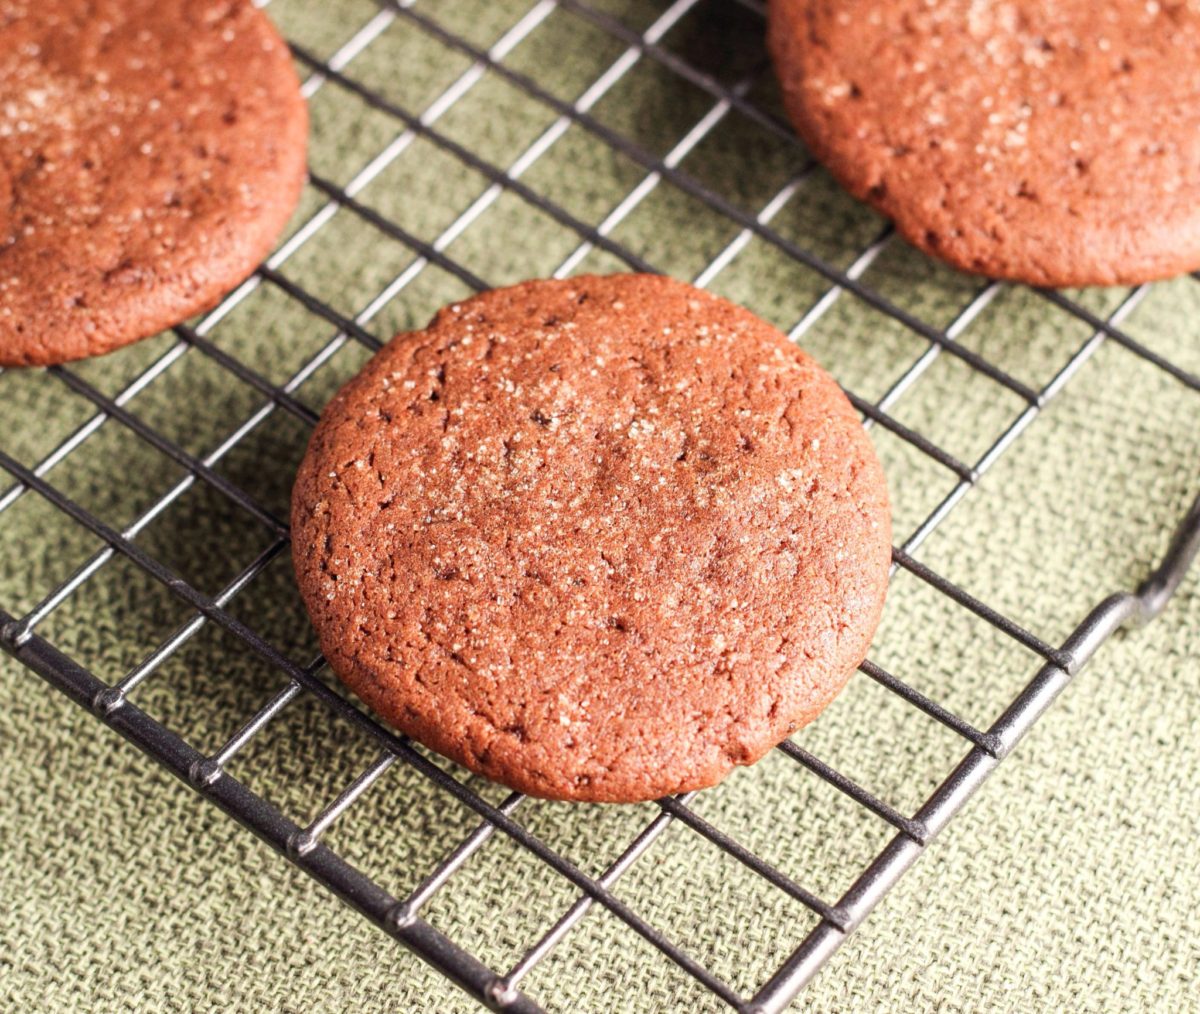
[(1056, 144), (150, 153), (597, 539)]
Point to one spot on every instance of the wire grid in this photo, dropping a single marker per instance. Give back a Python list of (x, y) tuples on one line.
[(641, 37)]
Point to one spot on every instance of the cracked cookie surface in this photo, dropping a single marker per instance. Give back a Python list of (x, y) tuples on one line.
[(151, 151), (1055, 144), (599, 539)]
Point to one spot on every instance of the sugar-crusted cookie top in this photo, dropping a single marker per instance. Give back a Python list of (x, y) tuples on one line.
[(602, 538), (150, 153), (1052, 143)]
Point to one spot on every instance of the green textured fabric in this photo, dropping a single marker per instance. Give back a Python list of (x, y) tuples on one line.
[(1069, 883)]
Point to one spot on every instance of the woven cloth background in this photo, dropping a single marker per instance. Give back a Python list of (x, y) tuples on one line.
[(1068, 883)]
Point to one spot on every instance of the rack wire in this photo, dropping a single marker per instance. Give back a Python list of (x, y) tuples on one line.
[(729, 85)]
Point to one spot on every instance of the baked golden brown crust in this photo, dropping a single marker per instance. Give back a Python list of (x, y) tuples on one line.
[(597, 539), (151, 151), (1050, 143)]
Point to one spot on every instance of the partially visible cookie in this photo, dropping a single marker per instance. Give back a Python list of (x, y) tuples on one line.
[(151, 151), (1050, 143), (596, 539)]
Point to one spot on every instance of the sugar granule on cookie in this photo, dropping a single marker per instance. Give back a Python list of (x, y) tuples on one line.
[(598, 539)]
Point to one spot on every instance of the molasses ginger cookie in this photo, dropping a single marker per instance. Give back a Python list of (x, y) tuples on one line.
[(597, 539), (151, 151), (1049, 143)]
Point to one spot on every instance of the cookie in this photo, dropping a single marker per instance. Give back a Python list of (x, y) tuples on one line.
[(151, 151), (597, 539), (1055, 144)]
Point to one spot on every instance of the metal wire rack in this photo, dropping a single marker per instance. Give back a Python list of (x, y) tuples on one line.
[(728, 83)]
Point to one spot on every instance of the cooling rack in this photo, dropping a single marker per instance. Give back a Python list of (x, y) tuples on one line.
[(458, 146)]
